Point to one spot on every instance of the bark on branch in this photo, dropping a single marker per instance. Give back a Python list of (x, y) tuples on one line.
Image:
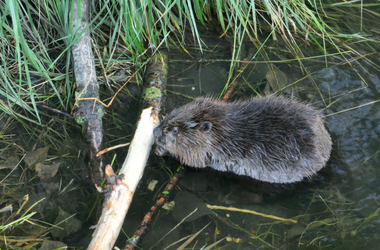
[(88, 113)]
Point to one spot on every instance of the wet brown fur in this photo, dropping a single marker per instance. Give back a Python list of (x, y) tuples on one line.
[(273, 139)]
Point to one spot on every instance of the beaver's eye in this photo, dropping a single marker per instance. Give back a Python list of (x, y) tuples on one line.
[(175, 130)]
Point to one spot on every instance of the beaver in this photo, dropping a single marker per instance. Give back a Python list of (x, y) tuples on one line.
[(272, 138)]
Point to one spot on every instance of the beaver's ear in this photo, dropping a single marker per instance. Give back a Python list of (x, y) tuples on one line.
[(205, 126)]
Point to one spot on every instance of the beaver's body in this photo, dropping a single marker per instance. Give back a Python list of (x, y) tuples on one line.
[(272, 139)]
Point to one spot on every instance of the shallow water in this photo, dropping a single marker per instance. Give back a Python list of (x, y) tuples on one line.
[(335, 210)]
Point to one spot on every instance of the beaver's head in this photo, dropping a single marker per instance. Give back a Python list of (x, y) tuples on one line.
[(187, 133)]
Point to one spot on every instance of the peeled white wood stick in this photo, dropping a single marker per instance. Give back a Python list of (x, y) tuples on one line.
[(117, 204), (120, 198)]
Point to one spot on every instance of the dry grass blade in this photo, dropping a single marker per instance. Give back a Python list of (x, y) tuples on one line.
[(233, 209), (186, 243), (174, 228), (214, 244)]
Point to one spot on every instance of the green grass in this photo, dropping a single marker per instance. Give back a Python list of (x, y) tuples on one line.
[(36, 36)]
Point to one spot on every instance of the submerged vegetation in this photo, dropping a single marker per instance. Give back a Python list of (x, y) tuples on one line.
[(37, 91)]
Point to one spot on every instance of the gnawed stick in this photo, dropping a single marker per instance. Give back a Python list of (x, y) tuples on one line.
[(123, 188), (119, 199), (155, 81)]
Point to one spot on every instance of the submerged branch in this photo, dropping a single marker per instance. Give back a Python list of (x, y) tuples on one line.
[(143, 227)]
